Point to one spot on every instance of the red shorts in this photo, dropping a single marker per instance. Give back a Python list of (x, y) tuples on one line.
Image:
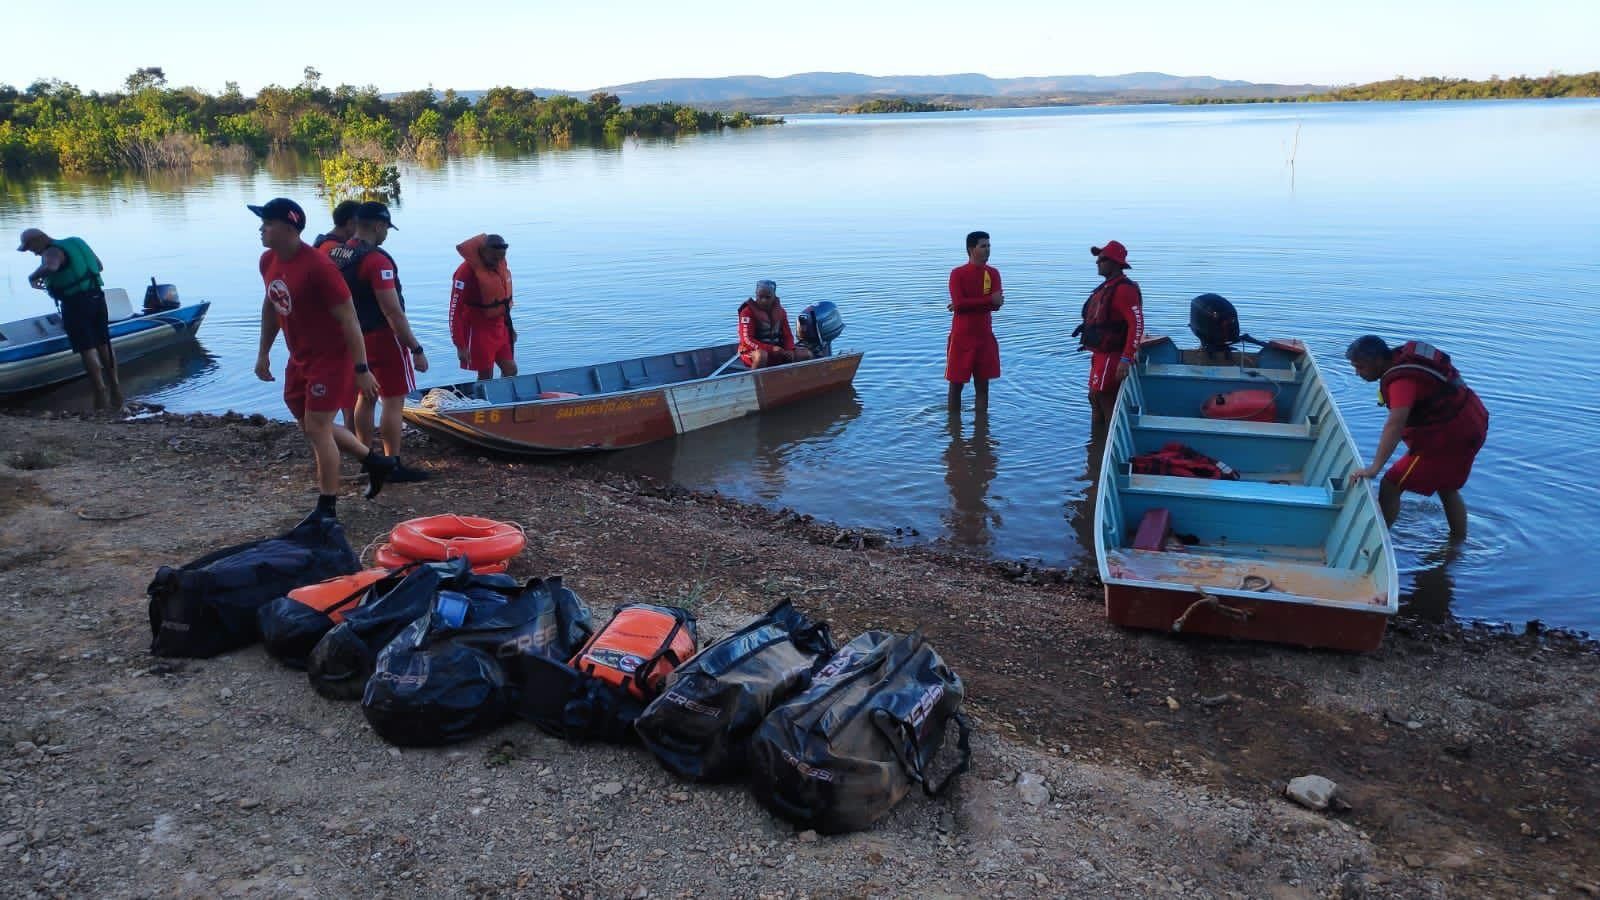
[(390, 362), (1428, 476), (1103, 372), (488, 342), (318, 385), (969, 356)]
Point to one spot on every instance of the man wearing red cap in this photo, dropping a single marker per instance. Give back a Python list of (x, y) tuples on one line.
[(1113, 326), (971, 352)]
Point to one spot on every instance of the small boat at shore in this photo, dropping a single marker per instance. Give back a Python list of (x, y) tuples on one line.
[(1288, 551), (34, 352), (627, 403)]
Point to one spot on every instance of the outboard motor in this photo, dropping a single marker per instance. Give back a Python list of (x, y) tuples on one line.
[(820, 323), (160, 297), (1215, 322)]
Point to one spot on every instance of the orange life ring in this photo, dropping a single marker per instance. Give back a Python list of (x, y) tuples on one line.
[(337, 595), (437, 538), (387, 556)]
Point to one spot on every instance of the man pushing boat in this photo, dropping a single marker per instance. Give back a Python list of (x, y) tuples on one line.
[(70, 273)]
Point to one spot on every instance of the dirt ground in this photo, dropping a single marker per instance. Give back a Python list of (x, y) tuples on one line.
[(1107, 763)]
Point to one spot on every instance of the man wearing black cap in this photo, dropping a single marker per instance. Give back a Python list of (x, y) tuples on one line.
[(1113, 326), (393, 351), (308, 300), (70, 273), (344, 227)]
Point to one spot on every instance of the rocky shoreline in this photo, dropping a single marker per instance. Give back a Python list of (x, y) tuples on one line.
[(1108, 763)]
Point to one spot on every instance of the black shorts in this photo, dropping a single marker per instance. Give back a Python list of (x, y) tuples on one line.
[(85, 320)]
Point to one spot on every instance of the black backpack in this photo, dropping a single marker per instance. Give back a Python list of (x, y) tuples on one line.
[(292, 625), (838, 756), (209, 606), (701, 726), (449, 676)]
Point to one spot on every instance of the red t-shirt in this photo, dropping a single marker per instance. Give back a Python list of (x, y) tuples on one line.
[(304, 289), (970, 287)]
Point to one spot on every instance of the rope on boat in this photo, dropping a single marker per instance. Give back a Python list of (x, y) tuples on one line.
[(1206, 600), (449, 398)]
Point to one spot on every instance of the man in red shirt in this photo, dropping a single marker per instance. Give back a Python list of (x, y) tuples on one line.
[(344, 227), (393, 350), (1113, 326), (309, 302), (765, 338), (1442, 421), (480, 308), (971, 352)]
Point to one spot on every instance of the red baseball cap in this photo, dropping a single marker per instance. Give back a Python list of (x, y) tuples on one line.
[(1114, 251)]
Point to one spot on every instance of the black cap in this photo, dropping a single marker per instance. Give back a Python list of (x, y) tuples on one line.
[(282, 209), (495, 240), (373, 211), (344, 212)]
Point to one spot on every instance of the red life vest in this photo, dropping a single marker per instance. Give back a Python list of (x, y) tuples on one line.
[(1176, 459), (1104, 329), (766, 326), (1414, 358)]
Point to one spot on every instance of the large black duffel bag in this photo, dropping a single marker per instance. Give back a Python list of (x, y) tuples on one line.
[(839, 755), (209, 606), (701, 726), (456, 671)]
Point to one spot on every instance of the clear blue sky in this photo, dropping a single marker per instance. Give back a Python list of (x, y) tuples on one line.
[(409, 44)]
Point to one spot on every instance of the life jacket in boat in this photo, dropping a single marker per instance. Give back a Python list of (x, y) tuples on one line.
[(348, 259), (494, 285), (1442, 406), (766, 326), (1104, 329), (1176, 459)]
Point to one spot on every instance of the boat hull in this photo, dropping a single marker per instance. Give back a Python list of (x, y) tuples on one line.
[(1307, 625), (41, 363), (622, 419)]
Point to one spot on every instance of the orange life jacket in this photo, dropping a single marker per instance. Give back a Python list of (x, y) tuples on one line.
[(494, 285)]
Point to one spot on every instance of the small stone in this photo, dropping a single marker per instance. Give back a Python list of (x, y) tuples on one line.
[(249, 802), (609, 789), (679, 796), (1413, 725), (1455, 861), (808, 837), (1172, 704), (298, 869), (1033, 789), (1413, 860), (225, 694), (1236, 803), (639, 893), (1311, 791), (25, 748), (10, 838), (394, 752), (1526, 828)]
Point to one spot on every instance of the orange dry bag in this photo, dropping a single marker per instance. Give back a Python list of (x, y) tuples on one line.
[(1243, 406), (638, 648)]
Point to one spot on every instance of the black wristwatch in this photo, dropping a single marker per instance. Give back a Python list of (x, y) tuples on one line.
[(417, 350), (361, 369)]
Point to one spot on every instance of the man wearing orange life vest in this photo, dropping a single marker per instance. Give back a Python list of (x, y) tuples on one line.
[(765, 338), (480, 308), (1113, 326), (1441, 420)]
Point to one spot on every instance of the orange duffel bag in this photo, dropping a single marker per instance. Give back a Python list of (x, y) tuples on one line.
[(638, 648)]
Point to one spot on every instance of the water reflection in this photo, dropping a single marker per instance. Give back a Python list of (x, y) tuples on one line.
[(146, 378), (1432, 584), (970, 464), (1080, 511)]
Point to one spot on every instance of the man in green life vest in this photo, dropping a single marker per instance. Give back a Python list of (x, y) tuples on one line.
[(70, 273)]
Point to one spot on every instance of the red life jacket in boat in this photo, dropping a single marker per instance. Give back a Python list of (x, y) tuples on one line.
[(1176, 459), (1104, 329)]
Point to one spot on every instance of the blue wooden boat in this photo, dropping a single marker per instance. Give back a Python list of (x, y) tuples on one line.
[(34, 352), (1289, 552)]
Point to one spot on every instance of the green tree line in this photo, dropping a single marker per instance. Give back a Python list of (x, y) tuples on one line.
[(53, 125), (898, 105), (1494, 88)]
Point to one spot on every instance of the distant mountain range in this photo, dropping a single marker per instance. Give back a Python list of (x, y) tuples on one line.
[(727, 91)]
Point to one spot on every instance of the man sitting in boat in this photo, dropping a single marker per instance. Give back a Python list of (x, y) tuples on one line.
[(70, 273), (765, 338), (1441, 420), (480, 308)]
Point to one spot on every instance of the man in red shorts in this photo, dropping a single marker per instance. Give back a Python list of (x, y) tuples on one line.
[(765, 338), (480, 308), (971, 352), (1113, 326), (1441, 420), (393, 351), (309, 302)]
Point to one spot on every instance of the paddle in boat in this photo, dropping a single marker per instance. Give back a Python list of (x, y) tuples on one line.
[(1276, 545), (34, 352), (614, 405)]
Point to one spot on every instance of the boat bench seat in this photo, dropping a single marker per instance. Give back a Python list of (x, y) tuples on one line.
[(1218, 489), (1203, 425)]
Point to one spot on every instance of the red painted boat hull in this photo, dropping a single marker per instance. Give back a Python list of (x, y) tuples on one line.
[(1305, 624)]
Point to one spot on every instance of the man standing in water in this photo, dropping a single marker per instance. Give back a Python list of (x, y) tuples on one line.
[(1441, 420), (393, 350), (309, 302), (1113, 326), (971, 351), (70, 273)]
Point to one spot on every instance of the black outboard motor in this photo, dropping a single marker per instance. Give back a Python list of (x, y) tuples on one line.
[(1215, 322), (160, 297), (820, 323)]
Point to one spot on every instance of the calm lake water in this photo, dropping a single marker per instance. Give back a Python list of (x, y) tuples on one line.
[(1474, 225)]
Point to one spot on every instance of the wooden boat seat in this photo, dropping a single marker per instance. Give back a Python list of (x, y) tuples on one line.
[(1216, 489), (1203, 570), (1203, 425)]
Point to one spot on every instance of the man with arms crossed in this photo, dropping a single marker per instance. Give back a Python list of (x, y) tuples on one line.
[(971, 352)]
